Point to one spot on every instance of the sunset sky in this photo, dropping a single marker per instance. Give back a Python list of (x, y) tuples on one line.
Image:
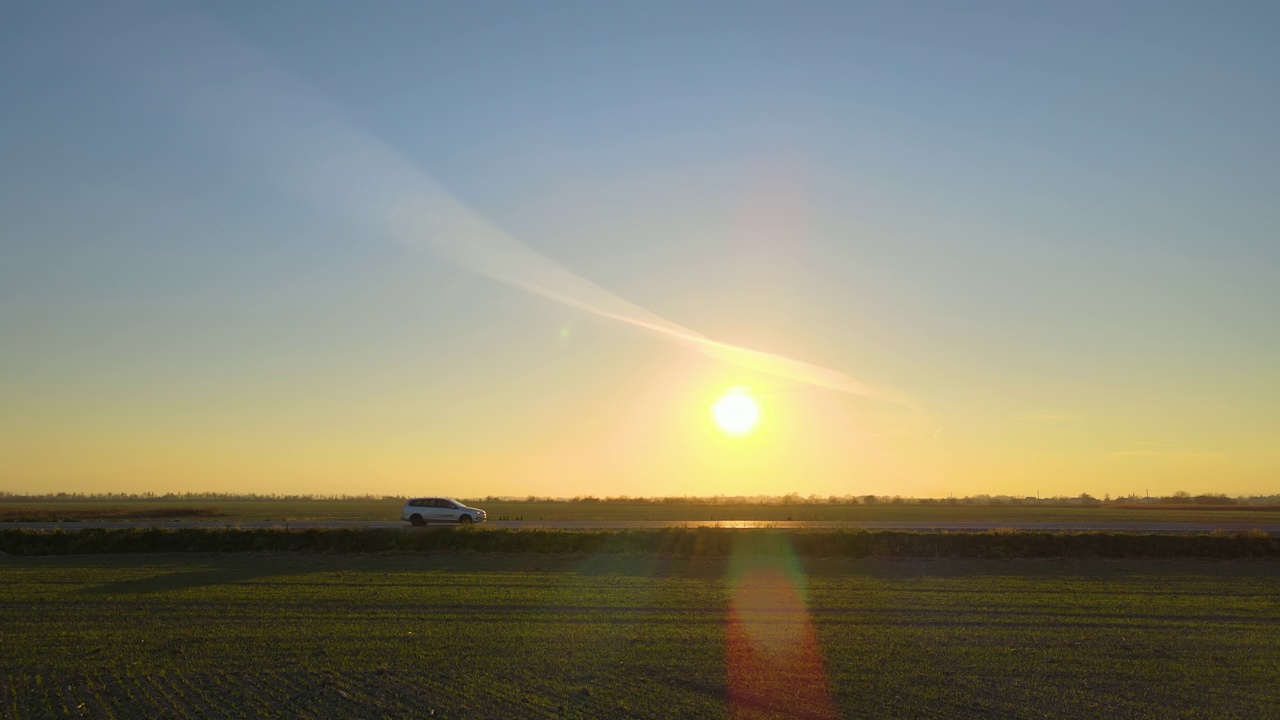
[(492, 248)]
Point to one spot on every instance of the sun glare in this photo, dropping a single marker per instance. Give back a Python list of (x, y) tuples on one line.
[(736, 412)]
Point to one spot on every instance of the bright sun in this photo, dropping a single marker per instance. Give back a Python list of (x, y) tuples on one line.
[(736, 412)]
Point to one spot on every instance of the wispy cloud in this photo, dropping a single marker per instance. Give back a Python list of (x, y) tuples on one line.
[(291, 134), (1049, 417)]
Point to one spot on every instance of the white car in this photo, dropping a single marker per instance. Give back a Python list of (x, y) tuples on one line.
[(421, 511)]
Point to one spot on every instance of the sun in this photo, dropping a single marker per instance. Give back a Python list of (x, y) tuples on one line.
[(736, 412)]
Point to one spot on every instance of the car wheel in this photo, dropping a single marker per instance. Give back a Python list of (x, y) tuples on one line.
[(465, 520), (417, 520)]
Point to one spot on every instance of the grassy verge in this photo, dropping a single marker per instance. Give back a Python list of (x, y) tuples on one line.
[(696, 542), (32, 513), (615, 636)]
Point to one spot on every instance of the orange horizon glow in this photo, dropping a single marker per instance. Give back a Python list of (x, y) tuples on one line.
[(643, 288)]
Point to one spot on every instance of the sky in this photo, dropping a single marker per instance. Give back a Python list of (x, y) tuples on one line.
[(512, 248)]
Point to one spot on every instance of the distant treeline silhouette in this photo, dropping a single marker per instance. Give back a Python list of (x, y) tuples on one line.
[(1180, 498), (1085, 499), (191, 496)]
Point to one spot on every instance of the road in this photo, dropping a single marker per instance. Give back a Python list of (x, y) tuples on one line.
[(1136, 527)]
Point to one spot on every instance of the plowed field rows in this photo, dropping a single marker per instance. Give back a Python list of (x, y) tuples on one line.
[(295, 636)]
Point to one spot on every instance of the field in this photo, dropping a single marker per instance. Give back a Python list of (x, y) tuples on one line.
[(700, 542), (752, 635), (232, 510)]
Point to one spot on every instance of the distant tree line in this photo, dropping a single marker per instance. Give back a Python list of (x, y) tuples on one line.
[(193, 496), (1083, 499)]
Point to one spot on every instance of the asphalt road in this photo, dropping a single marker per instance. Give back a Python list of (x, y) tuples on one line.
[(1136, 527)]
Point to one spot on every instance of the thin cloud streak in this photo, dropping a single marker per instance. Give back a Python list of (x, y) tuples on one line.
[(288, 132), (431, 217)]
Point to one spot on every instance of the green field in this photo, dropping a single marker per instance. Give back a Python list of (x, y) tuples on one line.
[(677, 542), (231, 510), (488, 635)]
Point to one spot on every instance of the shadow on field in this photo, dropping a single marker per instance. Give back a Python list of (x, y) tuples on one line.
[(182, 572), (187, 578), (603, 565), (1098, 569)]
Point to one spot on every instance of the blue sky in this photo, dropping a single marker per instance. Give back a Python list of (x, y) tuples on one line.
[(1000, 211)]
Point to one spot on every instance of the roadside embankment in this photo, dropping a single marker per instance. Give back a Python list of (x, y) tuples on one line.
[(691, 542)]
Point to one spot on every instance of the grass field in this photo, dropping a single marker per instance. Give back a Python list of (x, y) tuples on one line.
[(371, 509), (747, 636)]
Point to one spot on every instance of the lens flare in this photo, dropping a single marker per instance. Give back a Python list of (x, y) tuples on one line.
[(774, 658)]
